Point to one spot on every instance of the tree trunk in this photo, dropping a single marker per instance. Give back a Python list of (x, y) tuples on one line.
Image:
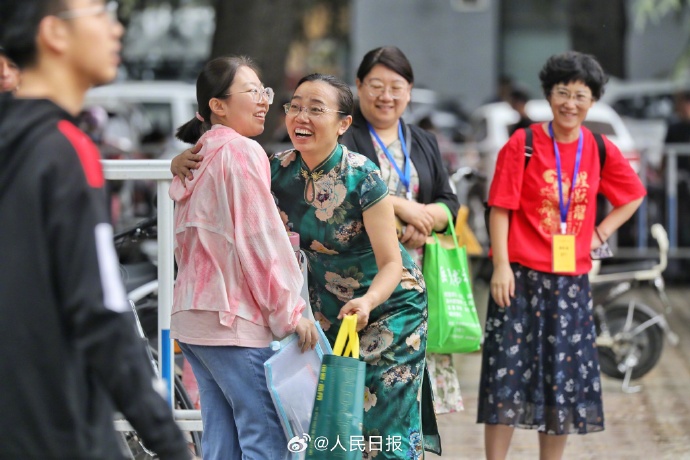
[(598, 27), (262, 30)]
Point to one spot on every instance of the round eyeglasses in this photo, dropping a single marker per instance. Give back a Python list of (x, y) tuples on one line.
[(313, 111), (562, 95), (377, 89), (257, 94)]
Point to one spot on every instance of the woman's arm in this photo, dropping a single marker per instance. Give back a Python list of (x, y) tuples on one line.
[(612, 222), (503, 279), (419, 221), (440, 216), (182, 165), (435, 189), (379, 224)]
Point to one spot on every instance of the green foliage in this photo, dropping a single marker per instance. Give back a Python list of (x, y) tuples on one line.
[(654, 10)]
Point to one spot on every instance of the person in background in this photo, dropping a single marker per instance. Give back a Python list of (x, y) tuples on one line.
[(384, 87), (504, 86), (72, 356), (518, 102), (540, 367), (449, 153), (678, 132), (9, 73), (238, 283), (679, 126)]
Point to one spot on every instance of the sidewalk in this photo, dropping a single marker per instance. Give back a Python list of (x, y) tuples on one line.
[(651, 424)]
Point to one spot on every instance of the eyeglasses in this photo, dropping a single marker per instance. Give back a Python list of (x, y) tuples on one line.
[(257, 94), (563, 95), (108, 10), (313, 111), (377, 89)]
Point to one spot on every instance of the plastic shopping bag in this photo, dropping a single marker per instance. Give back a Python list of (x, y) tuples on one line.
[(292, 377), (339, 402), (453, 322)]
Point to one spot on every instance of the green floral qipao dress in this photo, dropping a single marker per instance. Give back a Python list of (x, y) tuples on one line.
[(341, 267)]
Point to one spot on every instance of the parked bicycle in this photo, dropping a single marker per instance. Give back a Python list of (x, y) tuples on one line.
[(140, 276), (630, 334)]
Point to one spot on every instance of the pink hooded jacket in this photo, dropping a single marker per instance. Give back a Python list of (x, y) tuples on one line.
[(231, 247)]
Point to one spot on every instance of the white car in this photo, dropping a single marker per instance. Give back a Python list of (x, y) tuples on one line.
[(166, 105), (645, 106), (491, 124)]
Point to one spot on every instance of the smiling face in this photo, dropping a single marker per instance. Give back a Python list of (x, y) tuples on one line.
[(316, 136), (239, 111), (380, 108), (570, 103)]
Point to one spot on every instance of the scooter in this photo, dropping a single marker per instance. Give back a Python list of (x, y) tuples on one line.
[(630, 334), (139, 272)]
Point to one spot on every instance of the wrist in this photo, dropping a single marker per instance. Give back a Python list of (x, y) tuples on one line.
[(498, 263), (600, 234)]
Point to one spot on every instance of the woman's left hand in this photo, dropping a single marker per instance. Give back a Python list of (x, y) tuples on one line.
[(412, 238), (359, 306), (416, 214)]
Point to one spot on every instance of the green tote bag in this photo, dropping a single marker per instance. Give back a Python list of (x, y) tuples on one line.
[(453, 321), (335, 431)]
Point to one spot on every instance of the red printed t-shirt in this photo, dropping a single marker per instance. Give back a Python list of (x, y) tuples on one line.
[(533, 196)]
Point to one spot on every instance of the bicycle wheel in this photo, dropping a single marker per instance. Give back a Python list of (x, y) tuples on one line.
[(135, 445), (646, 346)]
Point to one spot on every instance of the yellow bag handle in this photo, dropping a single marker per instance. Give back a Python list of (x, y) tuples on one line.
[(347, 332)]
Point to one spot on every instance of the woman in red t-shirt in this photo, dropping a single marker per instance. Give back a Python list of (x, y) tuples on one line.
[(540, 368)]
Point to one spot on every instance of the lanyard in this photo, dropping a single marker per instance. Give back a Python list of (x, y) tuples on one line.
[(563, 206), (404, 177)]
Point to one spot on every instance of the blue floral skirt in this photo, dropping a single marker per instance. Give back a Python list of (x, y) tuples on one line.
[(540, 366)]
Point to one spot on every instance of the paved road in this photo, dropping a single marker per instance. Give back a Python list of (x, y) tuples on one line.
[(652, 424)]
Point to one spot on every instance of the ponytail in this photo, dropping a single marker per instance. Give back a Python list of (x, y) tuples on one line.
[(191, 131)]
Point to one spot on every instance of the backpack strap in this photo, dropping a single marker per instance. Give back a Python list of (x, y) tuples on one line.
[(601, 147), (528, 145), (602, 151)]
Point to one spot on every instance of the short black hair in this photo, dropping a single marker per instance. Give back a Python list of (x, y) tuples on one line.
[(570, 67), (519, 95), (19, 20), (346, 100), (389, 56)]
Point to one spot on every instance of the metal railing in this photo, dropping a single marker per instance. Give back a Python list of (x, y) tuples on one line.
[(159, 170)]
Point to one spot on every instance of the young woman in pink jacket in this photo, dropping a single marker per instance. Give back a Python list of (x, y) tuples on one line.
[(238, 283)]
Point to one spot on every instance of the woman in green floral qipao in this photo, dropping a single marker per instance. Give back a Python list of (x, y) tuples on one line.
[(337, 202)]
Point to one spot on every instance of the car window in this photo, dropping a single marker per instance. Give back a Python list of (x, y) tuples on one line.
[(600, 127)]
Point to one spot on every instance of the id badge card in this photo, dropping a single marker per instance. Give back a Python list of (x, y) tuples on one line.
[(563, 253)]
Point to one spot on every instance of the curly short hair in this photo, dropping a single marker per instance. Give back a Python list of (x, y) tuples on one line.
[(570, 67)]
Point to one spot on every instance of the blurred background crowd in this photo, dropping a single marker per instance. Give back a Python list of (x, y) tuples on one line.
[(476, 64)]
